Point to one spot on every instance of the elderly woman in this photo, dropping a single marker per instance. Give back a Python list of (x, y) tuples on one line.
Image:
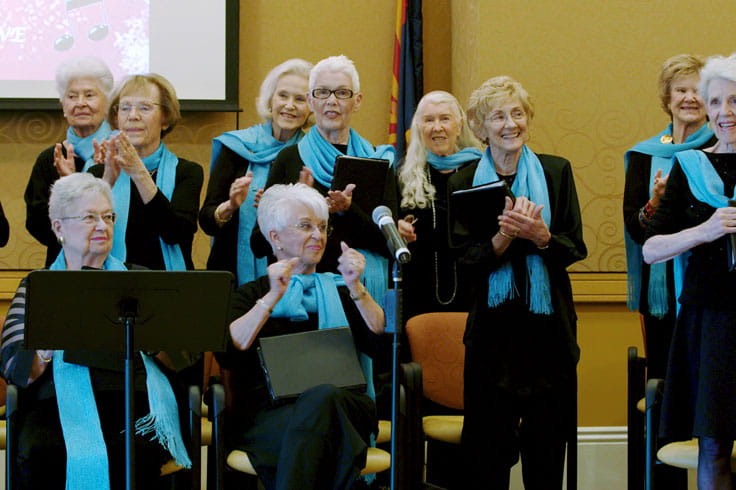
[(156, 193), (334, 95), (83, 84), (695, 216), (319, 440), (441, 143), (240, 164), (521, 348), (4, 228), (648, 163), (71, 425)]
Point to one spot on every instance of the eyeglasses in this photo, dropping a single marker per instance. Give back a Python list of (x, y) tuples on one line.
[(500, 116), (324, 93), (307, 227), (143, 108), (90, 219)]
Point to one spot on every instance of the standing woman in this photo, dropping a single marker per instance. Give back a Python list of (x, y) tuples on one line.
[(694, 216), (334, 96), (652, 288), (441, 143), (84, 85), (156, 193), (520, 340), (240, 164)]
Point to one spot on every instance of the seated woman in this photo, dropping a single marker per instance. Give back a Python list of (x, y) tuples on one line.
[(319, 440), (71, 425), (156, 193), (240, 164), (84, 84)]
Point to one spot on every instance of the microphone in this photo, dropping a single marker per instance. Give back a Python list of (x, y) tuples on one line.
[(396, 243)]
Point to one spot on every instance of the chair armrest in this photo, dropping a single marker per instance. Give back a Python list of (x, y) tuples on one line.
[(195, 434), (654, 402)]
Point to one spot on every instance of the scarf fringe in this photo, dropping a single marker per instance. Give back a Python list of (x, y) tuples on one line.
[(539, 289)]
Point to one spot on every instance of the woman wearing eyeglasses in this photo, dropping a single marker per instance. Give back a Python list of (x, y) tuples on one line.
[(84, 85), (70, 426), (333, 98), (240, 164), (156, 193)]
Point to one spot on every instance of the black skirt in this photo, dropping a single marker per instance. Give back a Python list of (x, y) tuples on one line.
[(700, 391)]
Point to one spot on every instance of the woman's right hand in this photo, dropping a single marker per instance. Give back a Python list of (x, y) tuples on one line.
[(64, 165), (306, 177), (660, 184), (239, 190), (406, 229), (279, 275)]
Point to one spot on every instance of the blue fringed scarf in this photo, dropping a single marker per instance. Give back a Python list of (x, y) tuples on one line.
[(657, 292), (83, 147), (87, 466), (259, 148), (166, 163), (529, 182), (318, 293), (455, 160), (319, 156)]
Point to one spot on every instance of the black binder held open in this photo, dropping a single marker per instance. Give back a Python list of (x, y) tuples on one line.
[(368, 175), (477, 208)]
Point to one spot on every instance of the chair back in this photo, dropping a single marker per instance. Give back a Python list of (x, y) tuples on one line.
[(436, 343)]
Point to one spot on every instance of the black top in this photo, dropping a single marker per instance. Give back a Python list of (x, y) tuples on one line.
[(431, 280), (38, 224), (223, 254), (355, 226), (707, 280), (529, 352), (4, 228), (175, 222), (249, 382)]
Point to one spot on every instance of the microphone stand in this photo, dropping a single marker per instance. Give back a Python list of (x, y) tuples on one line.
[(392, 307)]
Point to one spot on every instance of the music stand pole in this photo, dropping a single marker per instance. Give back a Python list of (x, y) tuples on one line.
[(128, 311)]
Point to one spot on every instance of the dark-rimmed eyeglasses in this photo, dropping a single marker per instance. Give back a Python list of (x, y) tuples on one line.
[(324, 93), (90, 219)]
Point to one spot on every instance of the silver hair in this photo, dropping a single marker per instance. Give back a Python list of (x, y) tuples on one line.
[(66, 190), (341, 64), (492, 93), (716, 67), (271, 215), (294, 66), (416, 190), (84, 67)]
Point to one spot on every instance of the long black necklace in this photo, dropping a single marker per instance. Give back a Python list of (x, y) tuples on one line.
[(437, 260)]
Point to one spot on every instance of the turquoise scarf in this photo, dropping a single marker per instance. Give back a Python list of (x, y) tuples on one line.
[(661, 153), (83, 147), (529, 182), (166, 163), (319, 156), (259, 148), (87, 467), (318, 293), (455, 160), (705, 183)]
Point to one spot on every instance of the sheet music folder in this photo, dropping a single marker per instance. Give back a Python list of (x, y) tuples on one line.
[(368, 175), (293, 363), (477, 208)]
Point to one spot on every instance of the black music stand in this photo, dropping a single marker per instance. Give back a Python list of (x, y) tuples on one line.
[(127, 311)]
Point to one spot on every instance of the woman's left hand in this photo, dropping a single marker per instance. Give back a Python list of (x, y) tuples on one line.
[(127, 157), (340, 201), (351, 265), (525, 219)]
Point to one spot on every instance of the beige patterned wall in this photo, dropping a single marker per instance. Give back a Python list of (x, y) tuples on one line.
[(591, 69)]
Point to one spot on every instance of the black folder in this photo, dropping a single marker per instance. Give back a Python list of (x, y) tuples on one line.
[(477, 208), (293, 363), (368, 175)]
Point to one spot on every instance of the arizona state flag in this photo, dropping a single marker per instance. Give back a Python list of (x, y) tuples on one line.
[(408, 80)]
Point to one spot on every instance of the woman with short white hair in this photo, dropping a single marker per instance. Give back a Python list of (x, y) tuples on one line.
[(240, 164), (84, 85), (695, 216)]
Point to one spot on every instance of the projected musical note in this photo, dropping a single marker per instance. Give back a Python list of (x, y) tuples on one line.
[(97, 32)]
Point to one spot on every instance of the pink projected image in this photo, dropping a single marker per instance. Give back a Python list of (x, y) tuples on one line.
[(35, 35)]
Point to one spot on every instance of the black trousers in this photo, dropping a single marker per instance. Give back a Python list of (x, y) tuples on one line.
[(41, 461), (318, 442), (501, 426)]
